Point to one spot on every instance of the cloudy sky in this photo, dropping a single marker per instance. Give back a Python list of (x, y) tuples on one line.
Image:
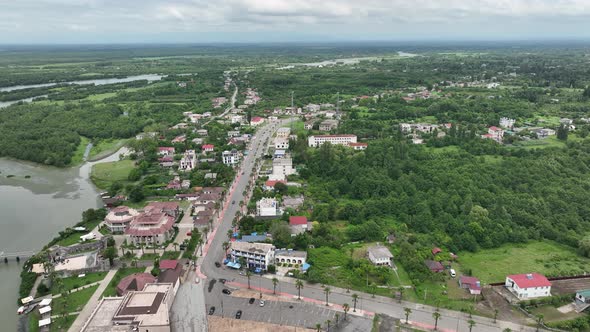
[(140, 21)]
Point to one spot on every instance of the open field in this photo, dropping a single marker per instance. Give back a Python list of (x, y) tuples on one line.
[(75, 236), (551, 314), (78, 156), (103, 175), (74, 301), (547, 257), (105, 147), (75, 282), (233, 325)]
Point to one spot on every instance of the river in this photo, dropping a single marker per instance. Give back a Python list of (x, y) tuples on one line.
[(33, 211)]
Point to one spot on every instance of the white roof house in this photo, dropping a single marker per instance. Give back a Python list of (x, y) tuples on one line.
[(380, 255)]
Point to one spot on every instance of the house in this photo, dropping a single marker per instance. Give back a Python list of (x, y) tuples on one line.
[(281, 168), (434, 266), (583, 296), (166, 151), (208, 148), (154, 225), (290, 257), (255, 255), (380, 256), (268, 207), (544, 133), (308, 125), (279, 154), (281, 143), (188, 161), (202, 132), (405, 127), (435, 251), (255, 121), (312, 108), (358, 146), (119, 218), (233, 133), (566, 121), (507, 123), (237, 118), (328, 125), (299, 224), (179, 139), (390, 238), (317, 140), (230, 157), (198, 141), (211, 176), (293, 202), (283, 132), (270, 184), (471, 283), (166, 161), (134, 282), (528, 286), (494, 133)]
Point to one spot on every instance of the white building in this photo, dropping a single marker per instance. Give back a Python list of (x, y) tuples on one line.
[(507, 123), (230, 157), (281, 143), (237, 118), (233, 133), (281, 168), (380, 256), (268, 207), (256, 255), (289, 256), (312, 108), (317, 140), (528, 286), (188, 161)]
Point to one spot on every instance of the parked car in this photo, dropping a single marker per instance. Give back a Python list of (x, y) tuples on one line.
[(239, 314), (217, 264), (211, 310), (262, 303), (223, 281), (233, 202), (452, 273), (226, 291), (251, 300)]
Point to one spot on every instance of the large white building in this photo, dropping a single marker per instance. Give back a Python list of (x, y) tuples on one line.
[(289, 256), (281, 168), (256, 255), (507, 123), (281, 143), (119, 218), (267, 207), (528, 286), (188, 161), (230, 157), (317, 140)]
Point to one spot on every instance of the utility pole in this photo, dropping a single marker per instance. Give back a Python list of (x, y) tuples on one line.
[(292, 107)]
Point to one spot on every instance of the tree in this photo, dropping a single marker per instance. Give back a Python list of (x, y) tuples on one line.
[(495, 315), (110, 253), (345, 307), (318, 327), (436, 315), (225, 246), (328, 325), (275, 281), (248, 275), (562, 132), (471, 324), (507, 330), (408, 311), (327, 292), (539, 321), (355, 298), (584, 246), (175, 245), (136, 194), (337, 318), (401, 293), (299, 285)]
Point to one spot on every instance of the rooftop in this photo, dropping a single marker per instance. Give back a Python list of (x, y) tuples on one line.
[(255, 247), (380, 252), (529, 280), (291, 253), (297, 220)]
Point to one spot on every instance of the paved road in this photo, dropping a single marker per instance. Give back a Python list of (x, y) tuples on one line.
[(188, 309), (231, 106), (92, 303)]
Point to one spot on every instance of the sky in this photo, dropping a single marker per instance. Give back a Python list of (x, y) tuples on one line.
[(198, 21)]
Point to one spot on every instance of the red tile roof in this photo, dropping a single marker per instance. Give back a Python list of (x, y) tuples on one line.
[(208, 146), (271, 183), (494, 128), (297, 220), (134, 282), (471, 281), (436, 250), (530, 280), (256, 119), (168, 264)]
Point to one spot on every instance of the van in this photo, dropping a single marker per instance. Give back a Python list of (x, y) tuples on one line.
[(453, 273)]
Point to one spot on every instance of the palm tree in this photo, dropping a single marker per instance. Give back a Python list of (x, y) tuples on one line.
[(507, 330), (141, 245), (299, 285), (345, 307), (200, 244), (327, 291), (495, 315), (318, 327), (401, 293), (134, 261), (328, 323), (436, 316), (175, 245), (471, 324), (337, 318), (230, 233), (408, 312), (225, 246), (275, 281), (539, 321), (355, 298), (248, 275), (206, 230)]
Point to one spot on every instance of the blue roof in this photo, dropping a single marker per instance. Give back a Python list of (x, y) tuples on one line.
[(253, 238), (305, 266), (233, 265)]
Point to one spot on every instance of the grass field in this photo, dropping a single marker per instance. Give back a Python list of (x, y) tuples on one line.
[(551, 314), (103, 175), (101, 96), (74, 301), (105, 147), (111, 289), (549, 142), (170, 255), (75, 282), (78, 156), (547, 257)]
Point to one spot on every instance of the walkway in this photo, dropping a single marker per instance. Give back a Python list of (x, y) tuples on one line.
[(92, 303)]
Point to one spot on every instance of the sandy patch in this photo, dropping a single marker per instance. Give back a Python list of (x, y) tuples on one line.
[(238, 325)]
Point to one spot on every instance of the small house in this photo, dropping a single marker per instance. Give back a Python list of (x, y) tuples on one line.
[(471, 283), (434, 266), (528, 286), (436, 251), (583, 296), (380, 256)]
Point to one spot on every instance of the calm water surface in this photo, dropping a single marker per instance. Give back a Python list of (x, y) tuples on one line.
[(32, 211)]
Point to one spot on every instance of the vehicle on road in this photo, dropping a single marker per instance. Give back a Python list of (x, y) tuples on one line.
[(239, 314), (262, 303), (211, 310), (222, 280), (233, 202), (251, 300), (217, 264), (226, 291)]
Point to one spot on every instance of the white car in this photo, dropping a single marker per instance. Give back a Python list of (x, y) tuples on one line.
[(262, 303)]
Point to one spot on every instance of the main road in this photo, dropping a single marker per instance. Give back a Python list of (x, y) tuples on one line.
[(421, 316)]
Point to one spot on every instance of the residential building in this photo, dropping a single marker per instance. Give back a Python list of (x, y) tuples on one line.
[(208, 148), (380, 256), (528, 286), (188, 161), (198, 141), (358, 146), (256, 121), (289, 256), (292, 202), (281, 143), (434, 266), (119, 218), (268, 207), (230, 157), (312, 108), (202, 132), (471, 283), (317, 140), (308, 125), (507, 123), (566, 121), (256, 255), (299, 224), (154, 225), (544, 133), (233, 133), (237, 118), (494, 133), (179, 139), (166, 151), (405, 127), (328, 125), (283, 132), (281, 168), (583, 296)]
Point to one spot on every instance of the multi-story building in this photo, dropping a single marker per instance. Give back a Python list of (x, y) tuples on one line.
[(119, 218), (289, 256), (380, 256), (230, 157), (255, 255), (267, 207), (281, 168), (317, 140), (528, 286), (188, 161), (281, 143), (283, 132), (507, 123), (154, 225), (328, 125)]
